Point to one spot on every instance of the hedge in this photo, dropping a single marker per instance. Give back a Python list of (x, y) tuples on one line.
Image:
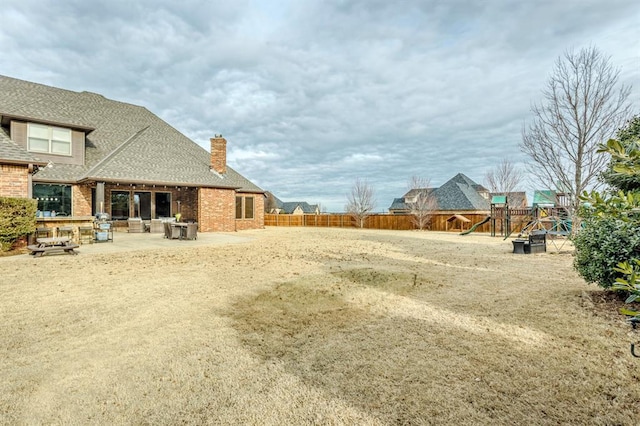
[(17, 219)]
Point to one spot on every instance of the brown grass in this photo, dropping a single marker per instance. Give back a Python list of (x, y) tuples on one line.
[(313, 326)]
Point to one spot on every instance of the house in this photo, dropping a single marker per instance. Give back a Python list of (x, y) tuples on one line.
[(274, 205), (299, 207), (459, 194), (79, 154)]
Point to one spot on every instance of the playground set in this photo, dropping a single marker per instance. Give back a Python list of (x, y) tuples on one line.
[(547, 220)]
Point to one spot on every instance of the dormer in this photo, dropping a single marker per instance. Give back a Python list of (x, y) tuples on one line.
[(60, 143)]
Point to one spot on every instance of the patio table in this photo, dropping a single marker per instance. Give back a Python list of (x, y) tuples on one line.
[(52, 245), (182, 228)]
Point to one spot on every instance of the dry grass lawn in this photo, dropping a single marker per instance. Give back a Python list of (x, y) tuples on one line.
[(312, 326)]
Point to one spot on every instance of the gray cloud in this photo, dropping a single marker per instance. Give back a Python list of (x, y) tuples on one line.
[(312, 95)]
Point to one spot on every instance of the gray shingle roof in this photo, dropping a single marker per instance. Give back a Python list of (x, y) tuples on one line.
[(398, 204), (457, 194), (461, 193), (290, 206), (11, 152), (124, 142)]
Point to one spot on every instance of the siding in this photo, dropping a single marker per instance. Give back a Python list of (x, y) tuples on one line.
[(19, 136)]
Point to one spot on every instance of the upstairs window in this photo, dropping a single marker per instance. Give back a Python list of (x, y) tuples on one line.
[(49, 139)]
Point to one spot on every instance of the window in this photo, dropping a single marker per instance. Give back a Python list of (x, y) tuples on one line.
[(120, 204), (238, 207), (49, 139), (248, 208), (142, 205), (163, 204), (244, 207), (53, 199)]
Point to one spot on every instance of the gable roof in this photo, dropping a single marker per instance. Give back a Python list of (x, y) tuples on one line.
[(290, 206), (124, 142)]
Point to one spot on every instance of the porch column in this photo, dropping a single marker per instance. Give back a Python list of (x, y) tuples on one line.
[(100, 197)]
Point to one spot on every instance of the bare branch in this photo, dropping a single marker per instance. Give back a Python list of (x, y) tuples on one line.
[(360, 202), (504, 177), (581, 108), (421, 202)]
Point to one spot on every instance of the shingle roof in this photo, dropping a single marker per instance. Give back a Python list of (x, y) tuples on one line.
[(124, 142), (461, 193), (290, 206), (10, 152), (398, 204), (457, 194)]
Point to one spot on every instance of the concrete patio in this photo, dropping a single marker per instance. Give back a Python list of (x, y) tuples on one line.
[(126, 242)]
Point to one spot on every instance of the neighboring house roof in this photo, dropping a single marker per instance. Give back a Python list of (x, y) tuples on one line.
[(398, 204), (11, 152), (124, 142), (458, 193), (277, 201), (290, 206), (461, 193)]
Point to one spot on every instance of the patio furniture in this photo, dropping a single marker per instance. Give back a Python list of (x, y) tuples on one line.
[(135, 225), (85, 234), (44, 232), (66, 231), (191, 231), (177, 230), (53, 245), (156, 226), (538, 241)]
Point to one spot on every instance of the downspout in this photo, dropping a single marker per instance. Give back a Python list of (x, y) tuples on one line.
[(30, 180)]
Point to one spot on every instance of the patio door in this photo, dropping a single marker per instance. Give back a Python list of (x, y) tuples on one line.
[(142, 205)]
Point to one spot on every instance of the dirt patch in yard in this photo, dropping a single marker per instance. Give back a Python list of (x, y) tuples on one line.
[(313, 326)]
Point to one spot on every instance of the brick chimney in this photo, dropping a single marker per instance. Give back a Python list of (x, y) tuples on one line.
[(219, 154)]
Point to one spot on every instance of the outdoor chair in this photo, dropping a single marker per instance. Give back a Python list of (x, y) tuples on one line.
[(167, 229), (85, 234), (192, 231), (156, 226), (65, 231), (135, 225), (174, 233), (44, 232)]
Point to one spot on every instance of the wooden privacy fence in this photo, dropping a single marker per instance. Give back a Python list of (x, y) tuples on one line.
[(391, 221)]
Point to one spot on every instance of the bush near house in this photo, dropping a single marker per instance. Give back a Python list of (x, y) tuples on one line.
[(17, 219)]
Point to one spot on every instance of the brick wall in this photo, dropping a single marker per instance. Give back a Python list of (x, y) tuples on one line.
[(81, 196), (258, 219), (14, 180), (216, 210)]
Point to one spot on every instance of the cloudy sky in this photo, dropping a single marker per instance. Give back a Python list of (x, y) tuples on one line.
[(312, 95)]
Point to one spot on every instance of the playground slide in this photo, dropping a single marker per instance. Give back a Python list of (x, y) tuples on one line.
[(474, 227)]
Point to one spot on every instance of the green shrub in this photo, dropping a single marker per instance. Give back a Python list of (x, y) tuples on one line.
[(602, 244), (17, 219)]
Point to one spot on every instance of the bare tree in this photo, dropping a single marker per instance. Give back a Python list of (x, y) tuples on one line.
[(581, 108), (360, 202), (504, 177), (421, 202)]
